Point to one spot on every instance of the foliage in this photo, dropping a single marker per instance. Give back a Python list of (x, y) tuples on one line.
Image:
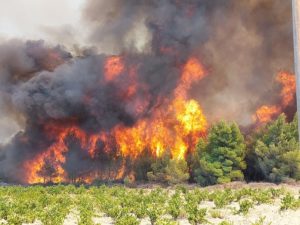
[(129, 181), (275, 154), (216, 214), (245, 205), (174, 205), (86, 209), (225, 223), (127, 219), (52, 204), (222, 198), (142, 165), (260, 221), (168, 170), (221, 156), (196, 215), (289, 202)]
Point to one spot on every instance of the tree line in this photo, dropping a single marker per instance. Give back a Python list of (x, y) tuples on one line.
[(270, 153)]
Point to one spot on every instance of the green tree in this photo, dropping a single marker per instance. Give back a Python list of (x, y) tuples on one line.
[(142, 165), (220, 156), (275, 151), (168, 170)]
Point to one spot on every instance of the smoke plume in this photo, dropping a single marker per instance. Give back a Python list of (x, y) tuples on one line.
[(137, 73)]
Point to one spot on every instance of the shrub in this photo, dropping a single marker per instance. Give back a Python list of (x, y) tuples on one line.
[(165, 221), (289, 202), (222, 198), (195, 215), (260, 221), (174, 205), (216, 214), (275, 154), (167, 170), (245, 205), (142, 165), (225, 223), (129, 181), (127, 219), (154, 212)]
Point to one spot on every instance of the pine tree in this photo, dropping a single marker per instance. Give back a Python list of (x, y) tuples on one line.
[(275, 152), (221, 156)]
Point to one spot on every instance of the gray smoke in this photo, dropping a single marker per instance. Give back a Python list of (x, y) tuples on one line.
[(244, 44)]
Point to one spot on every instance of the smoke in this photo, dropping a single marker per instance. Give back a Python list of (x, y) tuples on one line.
[(250, 44), (242, 44)]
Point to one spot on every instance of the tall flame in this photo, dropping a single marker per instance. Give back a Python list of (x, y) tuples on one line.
[(176, 126), (288, 82)]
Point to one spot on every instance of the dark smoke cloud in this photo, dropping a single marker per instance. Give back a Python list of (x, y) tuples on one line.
[(19, 62), (243, 44)]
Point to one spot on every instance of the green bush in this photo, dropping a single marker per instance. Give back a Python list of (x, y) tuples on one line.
[(289, 202), (221, 156), (142, 165), (274, 153), (167, 170), (127, 220), (175, 205), (154, 212), (225, 223), (245, 205), (222, 198), (196, 215)]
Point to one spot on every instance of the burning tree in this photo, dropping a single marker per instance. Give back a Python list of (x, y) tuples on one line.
[(47, 172)]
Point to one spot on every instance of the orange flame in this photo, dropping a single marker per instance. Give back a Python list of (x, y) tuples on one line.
[(113, 67), (175, 125), (288, 82), (192, 71), (266, 113)]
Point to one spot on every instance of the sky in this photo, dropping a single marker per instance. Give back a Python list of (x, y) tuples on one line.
[(38, 19)]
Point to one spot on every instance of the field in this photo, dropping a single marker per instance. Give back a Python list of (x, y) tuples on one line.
[(255, 204)]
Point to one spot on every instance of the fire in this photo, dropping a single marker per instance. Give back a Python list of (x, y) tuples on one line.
[(53, 155), (266, 113), (192, 71), (175, 125), (113, 67), (176, 129), (191, 117), (288, 82)]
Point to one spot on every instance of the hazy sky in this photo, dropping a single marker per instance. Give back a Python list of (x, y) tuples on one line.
[(35, 19)]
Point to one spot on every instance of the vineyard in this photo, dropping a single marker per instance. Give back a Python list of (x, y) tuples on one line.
[(120, 205)]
